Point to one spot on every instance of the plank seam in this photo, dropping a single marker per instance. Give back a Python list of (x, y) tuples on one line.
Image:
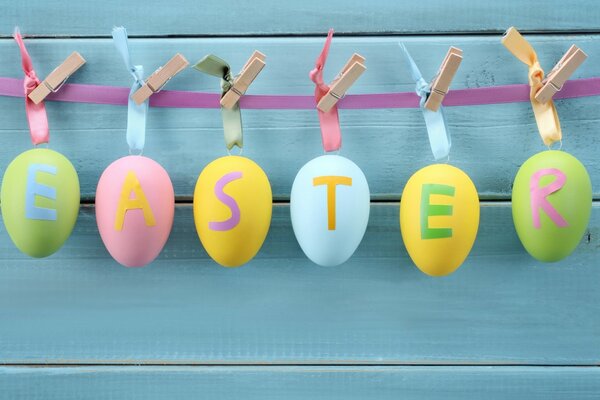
[(267, 365), (286, 202), (318, 35)]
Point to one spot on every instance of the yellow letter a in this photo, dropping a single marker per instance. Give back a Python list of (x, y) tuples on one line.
[(139, 201)]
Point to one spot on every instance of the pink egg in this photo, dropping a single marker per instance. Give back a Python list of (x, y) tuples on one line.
[(135, 204)]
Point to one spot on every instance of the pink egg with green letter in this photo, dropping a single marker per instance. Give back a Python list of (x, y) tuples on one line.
[(551, 204), (135, 203)]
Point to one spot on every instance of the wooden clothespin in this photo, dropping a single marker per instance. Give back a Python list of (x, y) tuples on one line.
[(244, 79), (56, 78), (159, 78), (353, 69), (565, 67), (441, 82)]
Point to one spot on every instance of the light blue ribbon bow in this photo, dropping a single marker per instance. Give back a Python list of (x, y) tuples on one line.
[(136, 114), (437, 129)]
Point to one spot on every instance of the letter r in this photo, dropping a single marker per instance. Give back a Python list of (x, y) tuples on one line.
[(539, 196)]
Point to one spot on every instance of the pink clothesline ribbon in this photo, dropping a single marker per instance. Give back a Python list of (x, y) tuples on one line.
[(114, 95)]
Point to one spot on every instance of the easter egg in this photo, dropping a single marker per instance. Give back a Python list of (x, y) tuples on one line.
[(329, 207), (551, 204), (40, 201), (439, 218), (232, 209), (135, 204)]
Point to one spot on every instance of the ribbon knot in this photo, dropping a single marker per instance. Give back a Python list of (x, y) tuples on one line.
[(435, 122), (316, 75), (536, 75), (137, 71), (226, 83), (422, 88), (232, 118), (36, 113), (30, 82)]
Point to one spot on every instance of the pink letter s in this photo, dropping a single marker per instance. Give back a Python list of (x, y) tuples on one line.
[(228, 201)]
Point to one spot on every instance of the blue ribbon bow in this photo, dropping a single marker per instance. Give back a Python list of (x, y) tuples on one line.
[(437, 129), (136, 114)]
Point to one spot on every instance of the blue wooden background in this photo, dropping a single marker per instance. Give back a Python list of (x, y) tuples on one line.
[(79, 326)]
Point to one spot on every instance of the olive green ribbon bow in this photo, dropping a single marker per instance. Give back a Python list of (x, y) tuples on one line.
[(232, 118)]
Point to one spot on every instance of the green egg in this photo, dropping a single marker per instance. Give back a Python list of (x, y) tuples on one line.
[(551, 204), (40, 201)]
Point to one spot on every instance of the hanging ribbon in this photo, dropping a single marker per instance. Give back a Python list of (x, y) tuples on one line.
[(437, 129), (232, 118), (36, 113), (546, 116), (136, 114), (329, 121)]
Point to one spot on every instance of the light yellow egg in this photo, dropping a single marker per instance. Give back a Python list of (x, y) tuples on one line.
[(439, 218), (232, 209)]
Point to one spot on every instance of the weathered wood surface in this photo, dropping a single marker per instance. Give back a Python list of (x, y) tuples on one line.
[(500, 307), (264, 382), (489, 324), (268, 17)]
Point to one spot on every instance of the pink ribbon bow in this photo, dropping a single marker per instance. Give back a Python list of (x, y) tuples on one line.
[(329, 121), (36, 113)]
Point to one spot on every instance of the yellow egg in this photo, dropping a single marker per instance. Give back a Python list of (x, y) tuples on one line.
[(439, 218), (232, 209)]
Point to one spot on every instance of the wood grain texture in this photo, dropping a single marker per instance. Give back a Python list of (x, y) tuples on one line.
[(489, 142), (500, 307), (224, 383), (270, 17), (503, 326)]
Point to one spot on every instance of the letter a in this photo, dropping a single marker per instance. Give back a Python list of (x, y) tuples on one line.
[(229, 201), (331, 182), (132, 184), (539, 196), (430, 210), (37, 189)]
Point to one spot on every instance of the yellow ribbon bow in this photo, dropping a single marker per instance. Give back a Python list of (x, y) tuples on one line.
[(545, 113)]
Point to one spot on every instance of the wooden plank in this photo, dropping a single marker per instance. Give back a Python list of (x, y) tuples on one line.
[(188, 17), (160, 382), (500, 307), (489, 142)]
